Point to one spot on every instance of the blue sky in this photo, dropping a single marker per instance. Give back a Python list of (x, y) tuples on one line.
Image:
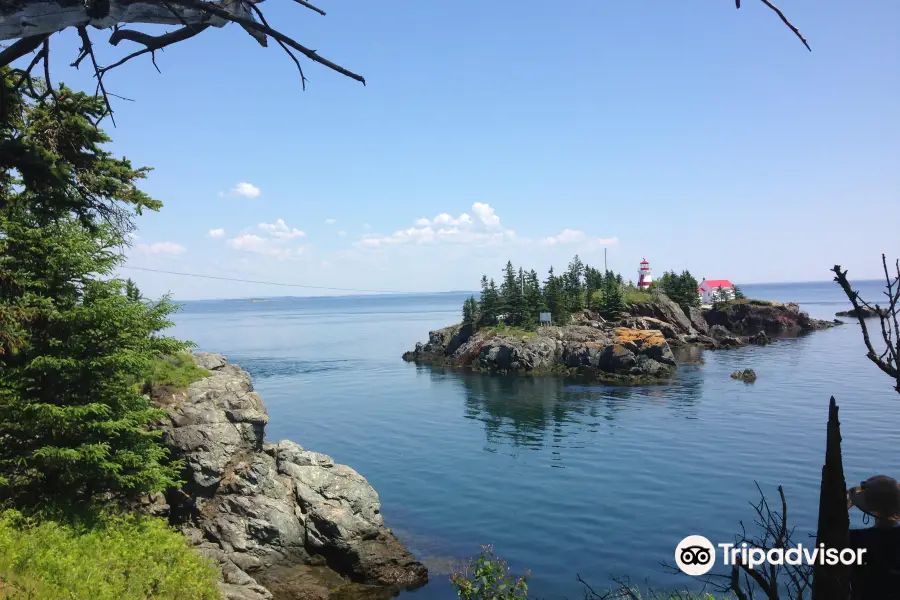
[(699, 137)]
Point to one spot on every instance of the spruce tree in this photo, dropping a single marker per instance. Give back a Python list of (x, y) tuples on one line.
[(73, 425), (555, 299), (511, 296), (613, 302), (489, 307), (573, 287), (534, 301)]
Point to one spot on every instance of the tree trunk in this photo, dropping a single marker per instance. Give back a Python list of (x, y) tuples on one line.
[(832, 582)]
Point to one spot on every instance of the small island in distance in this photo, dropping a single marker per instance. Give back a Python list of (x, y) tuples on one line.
[(591, 323)]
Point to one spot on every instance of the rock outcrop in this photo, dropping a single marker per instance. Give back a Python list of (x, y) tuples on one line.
[(750, 317), (864, 312), (747, 375), (601, 352), (271, 513), (636, 348)]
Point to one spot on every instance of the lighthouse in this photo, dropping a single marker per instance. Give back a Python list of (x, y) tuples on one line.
[(644, 275)]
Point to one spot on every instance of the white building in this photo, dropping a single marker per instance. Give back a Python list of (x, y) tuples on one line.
[(712, 290)]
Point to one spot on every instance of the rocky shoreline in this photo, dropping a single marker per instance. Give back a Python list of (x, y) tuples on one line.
[(282, 522), (634, 349)]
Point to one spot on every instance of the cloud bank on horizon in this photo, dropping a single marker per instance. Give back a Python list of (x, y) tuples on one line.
[(457, 246)]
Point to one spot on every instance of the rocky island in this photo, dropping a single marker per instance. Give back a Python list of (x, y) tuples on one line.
[(282, 522), (635, 348)]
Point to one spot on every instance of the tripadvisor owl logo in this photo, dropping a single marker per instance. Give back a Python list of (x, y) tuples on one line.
[(695, 555)]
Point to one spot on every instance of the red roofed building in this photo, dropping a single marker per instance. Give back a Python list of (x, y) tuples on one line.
[(711, 290)]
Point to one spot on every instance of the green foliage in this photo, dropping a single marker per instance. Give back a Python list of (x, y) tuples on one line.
[(74, 428), (682, 289), (489, 307), (470, 311), (128, 558), (633, 295), (488, 577), (176, 370), (572, 285), (612, 304), (512, 298), (739, 293), (132, 292)]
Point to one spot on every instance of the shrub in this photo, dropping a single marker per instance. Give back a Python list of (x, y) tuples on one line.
[(116, 558), (488, 578), (176, 370)]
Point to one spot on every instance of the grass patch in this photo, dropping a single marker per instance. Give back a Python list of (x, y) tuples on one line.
[(178, 372), (119, 558), (631, 296), (751, 301)]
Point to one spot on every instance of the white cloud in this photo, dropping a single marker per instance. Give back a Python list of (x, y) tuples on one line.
[(244, 189), (269, 239), (250, 242), (161, 248), (342, 233), (574, 236), (445, 228), (330, 221), (486, 214), (280, 230), (214, 233)]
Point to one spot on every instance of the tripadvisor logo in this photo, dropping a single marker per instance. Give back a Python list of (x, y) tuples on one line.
[(695, 555)]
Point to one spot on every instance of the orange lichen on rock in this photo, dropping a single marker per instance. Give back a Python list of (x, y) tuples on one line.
[(643, 337)]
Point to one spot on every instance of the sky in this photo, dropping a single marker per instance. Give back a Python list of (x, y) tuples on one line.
[(696, 136)]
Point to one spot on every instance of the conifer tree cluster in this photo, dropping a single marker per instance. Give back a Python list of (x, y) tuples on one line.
[(74, 340), (521, 296), (680, 288)]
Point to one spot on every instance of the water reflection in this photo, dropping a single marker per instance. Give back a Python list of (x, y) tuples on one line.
[(536, 412)]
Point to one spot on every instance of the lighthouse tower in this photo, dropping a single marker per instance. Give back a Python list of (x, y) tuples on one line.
[(644, 275)]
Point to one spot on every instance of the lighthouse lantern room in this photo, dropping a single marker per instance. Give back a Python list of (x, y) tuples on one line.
[(644, 275)]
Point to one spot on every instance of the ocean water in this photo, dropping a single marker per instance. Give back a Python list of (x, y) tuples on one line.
[(562, 479)]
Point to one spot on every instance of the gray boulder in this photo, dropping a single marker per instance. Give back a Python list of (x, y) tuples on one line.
[(666, 310), (255, 507)]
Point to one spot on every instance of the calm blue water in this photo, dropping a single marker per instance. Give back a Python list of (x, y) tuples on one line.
[(562, 479)]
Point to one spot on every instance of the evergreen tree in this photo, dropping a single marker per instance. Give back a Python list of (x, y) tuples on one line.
[(534, 301), (739, 293), (511, 296), (132, 292), (489, 306), (73, 426), (555, 299), (572, 284), (613, 302), (470, 311)]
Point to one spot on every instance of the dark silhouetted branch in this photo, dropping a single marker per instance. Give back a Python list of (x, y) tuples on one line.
[(887, 361), (20, 48), (784, 19)]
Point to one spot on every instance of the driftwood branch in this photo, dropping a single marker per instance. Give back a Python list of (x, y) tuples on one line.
[(889, 320), (284, 47)]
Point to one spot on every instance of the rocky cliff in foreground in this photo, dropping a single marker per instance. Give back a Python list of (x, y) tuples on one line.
[(634, 349), (281, 521)]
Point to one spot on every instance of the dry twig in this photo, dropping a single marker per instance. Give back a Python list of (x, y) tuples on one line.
[(889, 319)]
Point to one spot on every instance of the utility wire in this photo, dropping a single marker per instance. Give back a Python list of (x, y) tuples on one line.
[(297, 285)]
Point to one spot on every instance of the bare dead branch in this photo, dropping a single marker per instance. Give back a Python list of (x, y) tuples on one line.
[(47, 82), (20, 48), (283, 46), (151, 43), (784, 19), (310, 7), (890, 322), (246, 23), (88, 48)]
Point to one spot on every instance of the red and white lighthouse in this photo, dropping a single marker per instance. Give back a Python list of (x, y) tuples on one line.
[(644, 275)]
